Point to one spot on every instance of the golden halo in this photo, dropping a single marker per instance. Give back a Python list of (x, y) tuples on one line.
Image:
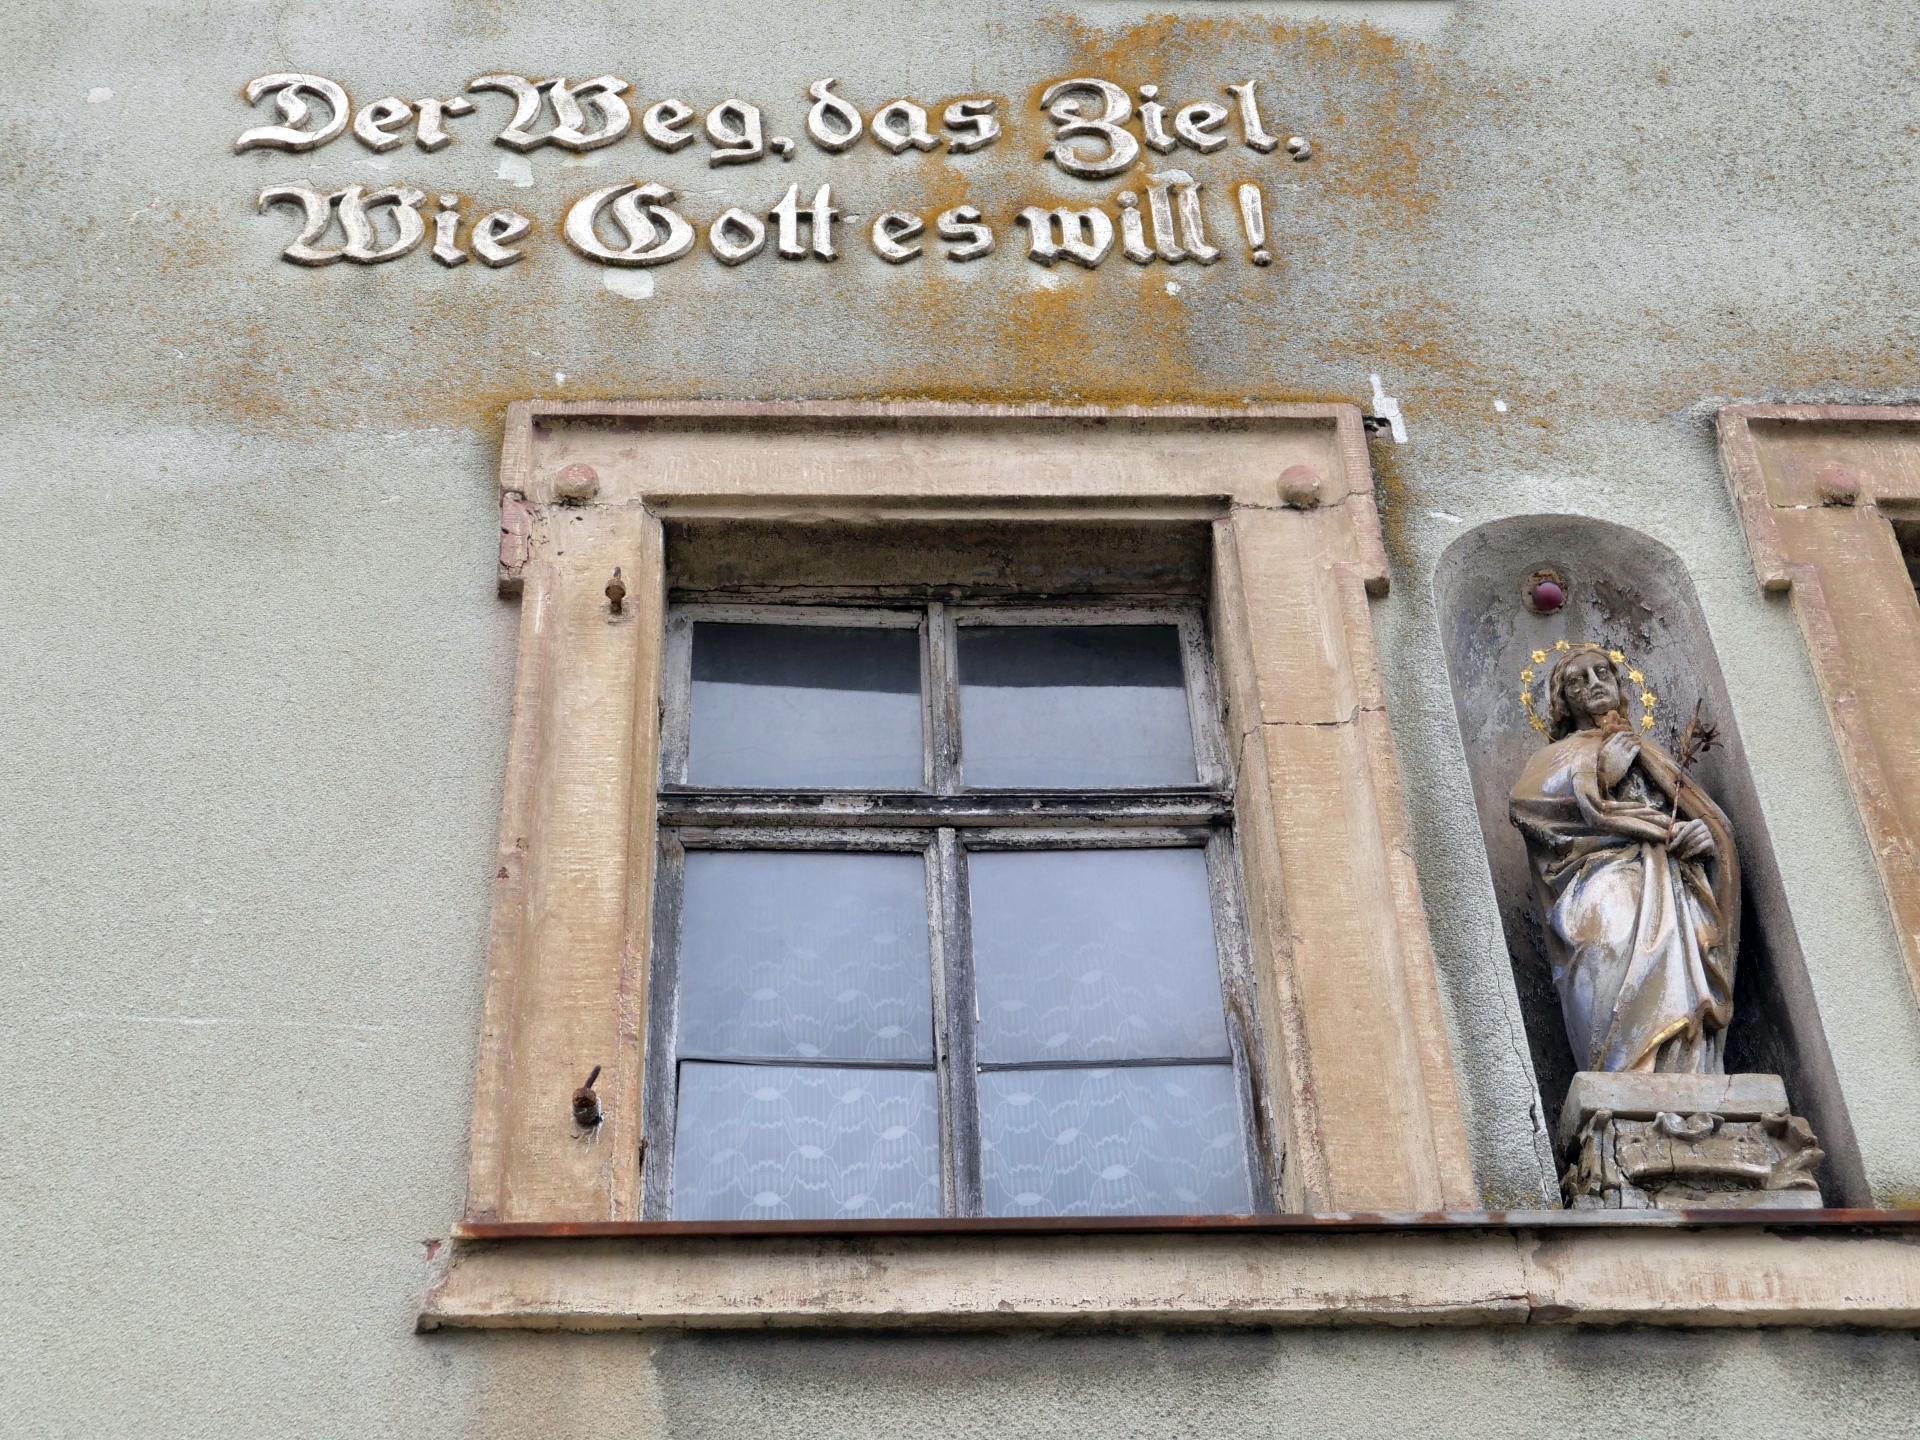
[(1647, 698)]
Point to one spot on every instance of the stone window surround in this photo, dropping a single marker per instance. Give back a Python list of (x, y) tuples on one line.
[(1349, 1004), (1818, 488)]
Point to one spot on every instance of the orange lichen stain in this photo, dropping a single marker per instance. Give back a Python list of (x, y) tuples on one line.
[(1391, 499), (1076, 337), (1370, 103), (1367, 281), (1772, 364), (1123, 338), (183, 239), (1344, 300), (935, 184), (1365, 98)]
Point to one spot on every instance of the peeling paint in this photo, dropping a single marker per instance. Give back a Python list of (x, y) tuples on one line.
[(634, 284)]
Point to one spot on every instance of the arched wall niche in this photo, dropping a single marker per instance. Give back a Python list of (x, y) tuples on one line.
[(1632, 593)]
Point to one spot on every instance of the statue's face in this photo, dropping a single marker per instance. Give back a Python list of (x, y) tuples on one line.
[(1590, 688)]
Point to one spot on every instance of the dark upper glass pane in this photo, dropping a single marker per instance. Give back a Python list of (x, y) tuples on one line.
[(805, 707), (777, 1142), (1095, 955), (1135, 1140), (1062, 706), (806, 956)]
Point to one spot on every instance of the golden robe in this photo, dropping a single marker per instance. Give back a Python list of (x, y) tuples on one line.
[(1643, 945)]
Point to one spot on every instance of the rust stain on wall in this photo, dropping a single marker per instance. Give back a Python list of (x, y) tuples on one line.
[(1308, 327), (1126, 338)]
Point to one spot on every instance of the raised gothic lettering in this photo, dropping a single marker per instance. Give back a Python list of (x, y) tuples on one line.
[(654, 233), (289, 98), (1121, 147), (1082, 236)]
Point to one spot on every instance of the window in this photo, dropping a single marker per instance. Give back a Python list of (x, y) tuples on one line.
[(1109, 529), (991, 759), (947, 920)]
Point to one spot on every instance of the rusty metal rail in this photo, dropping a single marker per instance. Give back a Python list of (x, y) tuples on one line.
[(1879, 1221)]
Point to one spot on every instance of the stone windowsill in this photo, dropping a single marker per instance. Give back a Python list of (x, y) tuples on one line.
[(1738, 1268)]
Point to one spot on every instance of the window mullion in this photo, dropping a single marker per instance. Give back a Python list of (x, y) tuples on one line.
[(956, 1017), (659, 1096), (939, 950), (943, 699)]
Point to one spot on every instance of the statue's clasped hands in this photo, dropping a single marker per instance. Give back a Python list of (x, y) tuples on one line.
[(1689, 840)]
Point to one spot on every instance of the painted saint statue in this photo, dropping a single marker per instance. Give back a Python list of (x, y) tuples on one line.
[(1634, 866)]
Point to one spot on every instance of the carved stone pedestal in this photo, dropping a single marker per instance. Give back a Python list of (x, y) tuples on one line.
[(1685, 1142)]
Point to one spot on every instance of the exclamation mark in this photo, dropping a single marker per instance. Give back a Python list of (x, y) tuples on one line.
[(1254, 221)]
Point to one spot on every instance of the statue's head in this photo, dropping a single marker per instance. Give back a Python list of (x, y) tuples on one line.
[(1584, 688)]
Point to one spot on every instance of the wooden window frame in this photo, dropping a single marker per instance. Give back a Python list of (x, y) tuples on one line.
[(676, 708), (1003, 818)]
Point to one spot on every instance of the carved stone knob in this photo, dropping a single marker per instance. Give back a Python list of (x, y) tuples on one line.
[(1837, 485), (1300, 487), (577, 483)]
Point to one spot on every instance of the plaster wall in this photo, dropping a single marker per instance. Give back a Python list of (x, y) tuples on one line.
[(256, 678)]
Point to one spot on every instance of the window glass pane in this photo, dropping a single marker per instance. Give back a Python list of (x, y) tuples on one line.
[(1095, 955), (1140, 1140), (777, 1142), (1072, 705), (805, 706), (805, 956)]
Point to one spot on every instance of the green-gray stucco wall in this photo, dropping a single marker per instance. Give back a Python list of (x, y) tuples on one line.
[(254, 677)]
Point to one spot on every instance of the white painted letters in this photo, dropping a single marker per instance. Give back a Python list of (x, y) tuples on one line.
[(972, 124), (734, 128), (289, 92), (819, 217), (1082, 236), (379, 126), (1121, 147), (832, 123), (892, 228), (654, 233), (1094, 135), (963, 223)]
